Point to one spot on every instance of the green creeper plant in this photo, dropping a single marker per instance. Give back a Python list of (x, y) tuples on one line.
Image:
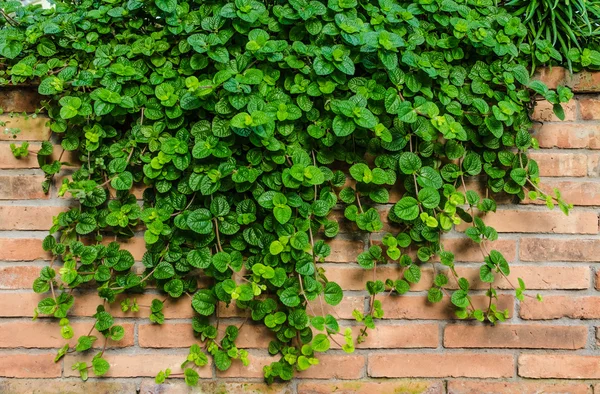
[(249, 124)]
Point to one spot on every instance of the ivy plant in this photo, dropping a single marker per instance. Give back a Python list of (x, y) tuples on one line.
[(251, 127)]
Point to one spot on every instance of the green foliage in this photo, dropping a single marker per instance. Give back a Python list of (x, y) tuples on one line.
[(243, 122), (558, 32)]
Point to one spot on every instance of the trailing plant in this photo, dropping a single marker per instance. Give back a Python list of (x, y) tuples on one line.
[(249, 124), (560, 31)]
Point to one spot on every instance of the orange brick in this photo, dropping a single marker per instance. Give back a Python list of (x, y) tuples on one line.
[(15, 217), (561, 164), (21, 187), (552, 249), (254, 370), (149, 386), (9, 161), (344, 251), (556, 307), (19, 100), (465, 250), (536, 277), (65, 386), (568, 135), (402, 336), (417, 307), (391, 386), (32, 129), (543, 111), (28, 365), (170, 335), (18, 276), (520, 336), (40, 334), (341, 311), (354, 277), (336, 366), (429, 365), (560, 366), (527, 221), (478, 387), (146, 364), (598, 280), (583, 81)]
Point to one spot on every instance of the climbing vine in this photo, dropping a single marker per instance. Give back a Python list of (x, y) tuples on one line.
[(251, 127)]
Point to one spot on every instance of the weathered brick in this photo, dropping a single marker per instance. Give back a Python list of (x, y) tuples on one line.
[(589, 108), (561, 164), (543, 111), (18, 217), (536, 277), (552, 249), (344, 250), (171, 335), (552, 76), (583, 81), (19, 100), (28, 365), (576, 191), (136, 365), (18, 276), (528, 221), (391, 386), (558, 306), (39, 334), (21, 187), (417, 307), (66, 386), (465, 250), (520, 336), (9, 161), (148, 386), (560, 366), (489, 387), (568, 135), (32, 128), (598, 280), (430, 365)]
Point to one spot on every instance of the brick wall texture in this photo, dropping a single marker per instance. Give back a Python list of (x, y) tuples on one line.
[(545, 347)]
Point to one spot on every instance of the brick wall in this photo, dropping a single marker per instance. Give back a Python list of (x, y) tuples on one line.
[(549, 347)]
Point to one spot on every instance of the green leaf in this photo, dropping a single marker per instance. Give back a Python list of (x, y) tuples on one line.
[(320, 343), (407, 208), (289, 297), (333, 293)]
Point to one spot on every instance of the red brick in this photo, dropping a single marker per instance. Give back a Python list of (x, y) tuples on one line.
[(65, 386), (543, 111), (519, 336), (546, 221), (598, 280), (18, 276), (568, 135), (417, 307), (354, 277), (344, 251), (589, 108), (552, 76), (19, 304), (19, 100), (401, 336), (556, 307), (391, 386), (536, 277), (560, 366), (341, 311), (172, 335), (430, 365), (478, 387), (148, 386), (576, 191), (28, 365), (465, 250), (40, 334), (583, 81), (21, 187), (32, 129), (553, 249), (136, 365), (85, 305), (15, 217), (9, 161), (561, 164)]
